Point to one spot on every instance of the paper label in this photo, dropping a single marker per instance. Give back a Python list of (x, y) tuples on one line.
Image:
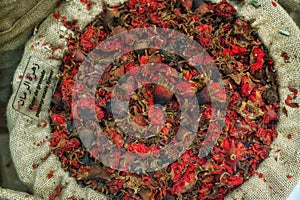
[(36, 88)]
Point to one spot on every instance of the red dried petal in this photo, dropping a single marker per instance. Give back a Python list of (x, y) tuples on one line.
[(291, 104), (58, 119), (258, 55), (56, 192), (100, 114), (294, 91), (274, 3), (56, 15), (226, 144), (34, 166), (118, 140), (289, 176), (88, 3), (224, 9), (285, 56), (233, 181), (50, 174), (144, 60)]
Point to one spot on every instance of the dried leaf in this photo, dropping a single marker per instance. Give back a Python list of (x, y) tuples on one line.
[(284, 32)]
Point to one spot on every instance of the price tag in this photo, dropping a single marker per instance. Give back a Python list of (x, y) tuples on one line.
[(36, 88)]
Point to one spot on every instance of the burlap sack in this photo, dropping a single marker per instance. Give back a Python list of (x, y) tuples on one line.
[(25, 132), (292, 7), (17, 21)]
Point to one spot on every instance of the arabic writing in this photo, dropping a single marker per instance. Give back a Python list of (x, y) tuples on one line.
[(37, 82)]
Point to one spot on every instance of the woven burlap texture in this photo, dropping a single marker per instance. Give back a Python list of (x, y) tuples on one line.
[(293, 8), (269, 19), (18, 19)]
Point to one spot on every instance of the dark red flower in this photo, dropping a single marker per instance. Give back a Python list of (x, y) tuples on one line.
[(235, 152), (58, 119)]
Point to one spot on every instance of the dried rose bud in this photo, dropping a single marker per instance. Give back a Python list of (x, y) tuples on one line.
[(162, 94)]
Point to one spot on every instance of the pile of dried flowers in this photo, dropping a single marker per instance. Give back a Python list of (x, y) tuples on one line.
[(251, 116)]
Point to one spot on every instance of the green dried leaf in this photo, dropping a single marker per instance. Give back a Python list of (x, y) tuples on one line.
[(255, 3), (284, 32)]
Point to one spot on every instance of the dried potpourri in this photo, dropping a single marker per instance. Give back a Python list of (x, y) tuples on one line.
[(251, 116)]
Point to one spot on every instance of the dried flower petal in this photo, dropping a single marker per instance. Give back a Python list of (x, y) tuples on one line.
[(288, 102)]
